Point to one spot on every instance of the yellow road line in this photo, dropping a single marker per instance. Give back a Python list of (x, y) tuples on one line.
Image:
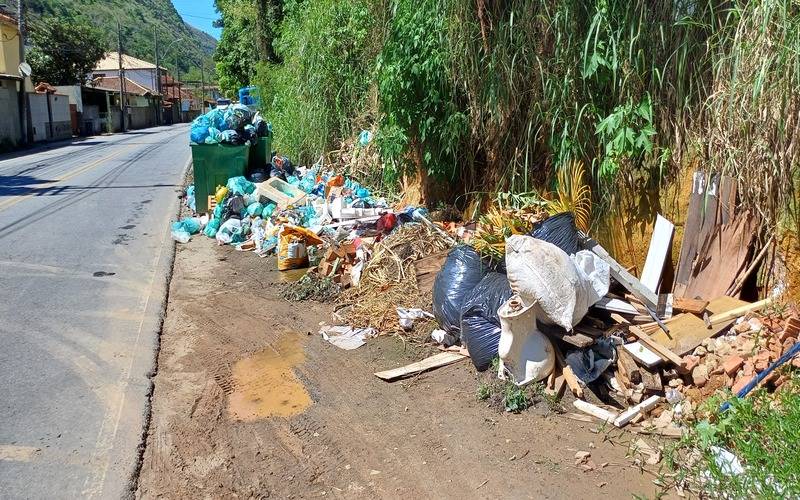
[(78, 171)]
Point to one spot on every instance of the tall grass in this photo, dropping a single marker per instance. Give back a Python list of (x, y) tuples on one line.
[(499, 95)]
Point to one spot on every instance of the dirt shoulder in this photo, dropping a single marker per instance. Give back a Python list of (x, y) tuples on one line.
[(249, 401)]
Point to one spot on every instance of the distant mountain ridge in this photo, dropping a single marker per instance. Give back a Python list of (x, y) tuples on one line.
[(138, 19)]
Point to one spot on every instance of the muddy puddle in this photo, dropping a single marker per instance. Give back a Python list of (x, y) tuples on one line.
[(265, 384)]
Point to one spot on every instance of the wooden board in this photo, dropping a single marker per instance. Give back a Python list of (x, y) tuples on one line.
[(727, 199), (694, 219), (427, 268), (435, 361), (660, 244), (694, 306), (723, 256), (656, 347), (709, 213), (687, 331)]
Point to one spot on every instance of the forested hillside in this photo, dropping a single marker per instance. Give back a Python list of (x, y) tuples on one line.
[(138, 19)]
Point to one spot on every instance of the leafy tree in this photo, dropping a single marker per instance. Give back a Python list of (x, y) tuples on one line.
[(64, 51)]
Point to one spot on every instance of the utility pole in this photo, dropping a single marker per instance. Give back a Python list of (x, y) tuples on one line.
[(202, 87), (178, 81), (23, 98), (121, 77), (159, 116)]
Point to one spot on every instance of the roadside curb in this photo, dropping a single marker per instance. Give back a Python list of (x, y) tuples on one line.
[(169, 267)]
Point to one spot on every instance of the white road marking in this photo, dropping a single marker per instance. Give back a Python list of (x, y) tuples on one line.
[(12, 453)]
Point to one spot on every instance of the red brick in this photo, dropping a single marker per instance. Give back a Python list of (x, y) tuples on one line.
[(732, 364), (739, 385), (748, 370), (690, 361)]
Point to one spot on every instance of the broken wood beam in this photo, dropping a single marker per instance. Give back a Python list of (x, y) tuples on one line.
[(739, 311), (659, 349), (595, 411), (631, 413), (435, 361)]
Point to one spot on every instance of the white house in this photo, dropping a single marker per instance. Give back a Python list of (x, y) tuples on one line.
[(137, 70)]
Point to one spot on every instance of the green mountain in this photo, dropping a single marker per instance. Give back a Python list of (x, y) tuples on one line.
[(138, 20)]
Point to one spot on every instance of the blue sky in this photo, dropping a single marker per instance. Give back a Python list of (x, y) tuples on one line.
[(199, 13)]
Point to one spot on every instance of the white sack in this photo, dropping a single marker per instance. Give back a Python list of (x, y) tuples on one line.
[(546, 277)]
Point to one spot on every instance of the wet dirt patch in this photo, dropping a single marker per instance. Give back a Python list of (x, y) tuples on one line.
[(265, 384)]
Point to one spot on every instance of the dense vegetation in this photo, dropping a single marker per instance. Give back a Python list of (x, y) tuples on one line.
[(63, 52), (138, 19), (499, 95)]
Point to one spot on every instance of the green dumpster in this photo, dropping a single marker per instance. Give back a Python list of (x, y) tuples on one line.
[(214, 164), (260, 153)]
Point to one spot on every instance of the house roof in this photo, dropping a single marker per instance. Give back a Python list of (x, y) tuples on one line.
[(112, 83), (6, 19), (111, 62)]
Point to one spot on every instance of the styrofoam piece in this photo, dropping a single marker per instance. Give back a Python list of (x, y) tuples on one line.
[(643, 354)]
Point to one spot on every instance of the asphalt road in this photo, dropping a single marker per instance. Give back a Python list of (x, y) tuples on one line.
[(85, 255)]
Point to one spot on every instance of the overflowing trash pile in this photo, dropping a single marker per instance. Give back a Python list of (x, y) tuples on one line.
[(523, 287), (235, 124)]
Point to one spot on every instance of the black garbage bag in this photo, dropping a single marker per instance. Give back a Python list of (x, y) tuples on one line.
[(480, 324), (590, 362), (461, 273), (559, 230)]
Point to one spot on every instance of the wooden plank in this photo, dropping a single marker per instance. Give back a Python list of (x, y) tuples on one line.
[(660, 244), (595, 411), (558, 387), (631, 413), (575, 338), (569, 376), (727, 199), (627, 367), (739, 311), (687, 331), (722, 257), (655, 346), (626, 279), (435, 361), (694, 219), (694, 306), (709, 213), (652, 382)]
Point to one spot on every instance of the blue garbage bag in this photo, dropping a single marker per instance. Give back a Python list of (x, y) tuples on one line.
[(255, 209), (198, 131), (241, 186)]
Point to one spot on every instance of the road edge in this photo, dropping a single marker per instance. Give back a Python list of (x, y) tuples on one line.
[(132, 483)]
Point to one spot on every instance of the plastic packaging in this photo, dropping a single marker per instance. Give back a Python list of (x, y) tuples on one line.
[(190, 199), (237, 116), (183, 230), (269, 208), (240, 185), (221, 193), (212, 227), (292, 247), (226, 231), (480, 324), (461, 273), (559, 230), (214, 136), (255, 209), (199, 129)]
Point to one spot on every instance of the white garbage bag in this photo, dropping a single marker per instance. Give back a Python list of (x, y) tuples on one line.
[(545, 277)]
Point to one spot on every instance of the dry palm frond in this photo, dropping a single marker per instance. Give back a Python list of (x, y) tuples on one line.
[(497, 225), (573, 195)]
